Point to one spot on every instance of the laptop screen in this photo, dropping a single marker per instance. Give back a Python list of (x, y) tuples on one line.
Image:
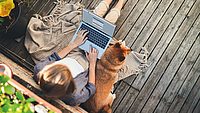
[(98, 22)]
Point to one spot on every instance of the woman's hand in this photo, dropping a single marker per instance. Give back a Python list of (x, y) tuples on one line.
[(81, 38), (92, 56)]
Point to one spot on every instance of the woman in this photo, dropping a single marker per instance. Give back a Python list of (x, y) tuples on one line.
[(70, 74)]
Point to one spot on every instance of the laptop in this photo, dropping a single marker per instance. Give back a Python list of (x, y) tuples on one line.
[(100, 32)]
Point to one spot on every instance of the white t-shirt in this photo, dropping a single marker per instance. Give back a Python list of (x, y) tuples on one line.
[(72, 64)]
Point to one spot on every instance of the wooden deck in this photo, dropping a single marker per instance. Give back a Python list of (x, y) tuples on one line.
[(169, 29)]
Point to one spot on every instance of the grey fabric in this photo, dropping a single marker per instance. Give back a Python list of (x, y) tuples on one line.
[(135, 63), (51, 33)]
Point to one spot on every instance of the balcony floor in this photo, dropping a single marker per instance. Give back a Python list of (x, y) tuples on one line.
[(169, 29)]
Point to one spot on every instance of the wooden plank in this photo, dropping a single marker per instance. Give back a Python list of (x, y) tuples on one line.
[(29, 60), (131, 19), (48, 7), (150, 26), (177, 71), (16, 58), (162, 64), (186, 88), (36, 8), (28, 5), (120, 91), (125, 12), (185, 68), (17, 70), (23, 53), (142, 21), (193, 98), (126, 102), (180, 76), (30, 10), (171, 70), (184, 91), (39, 5), (197, 109), (19, 48), (93, 4), (12, 45), (3, 38), (159, 44), (9, 40), (86, 3), (129, 80)]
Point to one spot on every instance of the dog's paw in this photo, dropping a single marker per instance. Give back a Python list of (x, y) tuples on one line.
[(114, 96)]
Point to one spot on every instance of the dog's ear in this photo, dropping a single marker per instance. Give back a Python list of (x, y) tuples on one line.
[(128, 50), (117, 45)]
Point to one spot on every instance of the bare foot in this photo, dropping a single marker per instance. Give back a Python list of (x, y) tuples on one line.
[(102, 8)]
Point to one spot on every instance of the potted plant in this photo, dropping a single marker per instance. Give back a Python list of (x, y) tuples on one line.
[(9, 14), (15, 98)]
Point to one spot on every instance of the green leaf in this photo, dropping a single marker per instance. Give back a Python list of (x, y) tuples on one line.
[(30, 100), (15, 107), (1, 91), (27, 108), (6, 100), (6, 107), (9, 89), (20, 96), (4, 79), (1, 111)]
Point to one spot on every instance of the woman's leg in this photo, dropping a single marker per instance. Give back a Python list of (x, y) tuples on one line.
[(114, 13), (102, 8)]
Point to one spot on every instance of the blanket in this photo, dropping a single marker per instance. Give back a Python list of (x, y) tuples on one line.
[(51, 33)]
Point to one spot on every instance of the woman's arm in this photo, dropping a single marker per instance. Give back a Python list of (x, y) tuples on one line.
[(92, 58), (81, 37)]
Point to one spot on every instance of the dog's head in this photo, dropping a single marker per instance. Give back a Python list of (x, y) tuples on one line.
[(117, 52)]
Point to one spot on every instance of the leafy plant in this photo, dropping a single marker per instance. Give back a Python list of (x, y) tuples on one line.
[(5, 9), (12, 100)]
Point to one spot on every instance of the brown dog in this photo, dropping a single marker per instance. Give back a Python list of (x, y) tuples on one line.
[(106, 75)]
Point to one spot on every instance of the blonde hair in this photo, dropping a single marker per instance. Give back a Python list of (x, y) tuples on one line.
[(56, 81)]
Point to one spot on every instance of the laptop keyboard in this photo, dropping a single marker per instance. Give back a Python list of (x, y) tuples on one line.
[(95, 37)]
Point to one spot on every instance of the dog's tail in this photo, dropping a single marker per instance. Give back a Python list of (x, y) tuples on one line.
[(106, 109)]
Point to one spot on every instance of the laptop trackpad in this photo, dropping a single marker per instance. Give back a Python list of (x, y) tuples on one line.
[(86, 46)]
